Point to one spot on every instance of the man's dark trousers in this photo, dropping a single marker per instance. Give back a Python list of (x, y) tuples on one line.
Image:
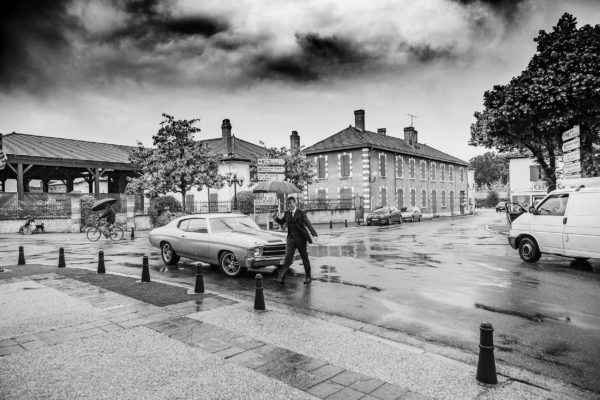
[(292, 244)]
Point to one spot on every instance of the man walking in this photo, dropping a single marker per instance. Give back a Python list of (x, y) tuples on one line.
[(298, 226)]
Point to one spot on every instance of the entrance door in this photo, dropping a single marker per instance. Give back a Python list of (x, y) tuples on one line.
[(345, 198), (213, 202), (548, 226), (451, 201), (434, 202)]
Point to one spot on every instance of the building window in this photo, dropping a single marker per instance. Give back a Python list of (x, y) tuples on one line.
[(383, 197), (443, 198), (451, 173), (411, 168), (413, 197), (345, 165), (462, 174), (346, 197), (321, 168), (321, 198), (442, 172), (400, 198), (423, 170), (432, 166), (399, 167), (382, 171), (423, 198)]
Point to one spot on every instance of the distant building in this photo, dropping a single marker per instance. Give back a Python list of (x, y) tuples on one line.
[(377, 169), (79, 185)]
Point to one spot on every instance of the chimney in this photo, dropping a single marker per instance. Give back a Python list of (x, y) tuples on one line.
[(382, 131), (294, 141), (410, 135), (359, 119), (226, 137)]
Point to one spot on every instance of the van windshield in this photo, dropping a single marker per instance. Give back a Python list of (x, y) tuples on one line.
[(554, 205)]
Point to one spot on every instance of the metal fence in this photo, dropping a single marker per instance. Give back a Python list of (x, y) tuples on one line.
[(34, 205), (327, 204), (203, 207)]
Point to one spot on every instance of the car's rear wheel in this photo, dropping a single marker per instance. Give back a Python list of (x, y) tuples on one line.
[(230, 265), (168, 254), (529, 250)]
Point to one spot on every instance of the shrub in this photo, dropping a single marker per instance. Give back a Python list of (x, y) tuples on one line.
[(163, 204), (87, 215), (245, 201)]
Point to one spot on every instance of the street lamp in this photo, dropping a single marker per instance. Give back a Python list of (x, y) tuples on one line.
[(233, 180)]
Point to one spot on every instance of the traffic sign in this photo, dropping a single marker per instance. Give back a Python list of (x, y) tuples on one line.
[(571, 145), (574, 155), (572, 168), (270, 161), (271, 177), (571, 133), (271, 169)]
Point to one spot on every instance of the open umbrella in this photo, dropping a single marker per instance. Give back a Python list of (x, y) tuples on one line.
[(280, 187), (102, 204)]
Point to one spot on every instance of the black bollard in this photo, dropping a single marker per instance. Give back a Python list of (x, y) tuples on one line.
[(199, 288), (330, 224), (101, 269), (61, 258), (145, 270), (486, 366), (259, 297), (345, 223), (21, 256), (132, 233)]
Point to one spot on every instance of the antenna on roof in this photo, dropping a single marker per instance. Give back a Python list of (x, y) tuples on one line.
[(412, 116)]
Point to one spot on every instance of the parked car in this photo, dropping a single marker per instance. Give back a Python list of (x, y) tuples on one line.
[(412, 214), (565, 223), (232, 241), (384, 215), (501, 207)]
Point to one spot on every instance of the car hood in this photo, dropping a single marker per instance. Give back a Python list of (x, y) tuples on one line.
[(255, 238)]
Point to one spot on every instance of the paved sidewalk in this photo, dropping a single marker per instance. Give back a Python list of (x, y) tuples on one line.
[(64, 334)]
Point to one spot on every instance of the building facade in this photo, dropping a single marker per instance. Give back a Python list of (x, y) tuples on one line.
[(374, 169)]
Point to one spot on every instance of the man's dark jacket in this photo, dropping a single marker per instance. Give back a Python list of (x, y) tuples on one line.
[(109, 213), (298, 225)]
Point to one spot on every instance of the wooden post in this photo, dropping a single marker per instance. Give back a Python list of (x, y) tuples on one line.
[(70, 185), (20, 187), (3, 182), (96, 180), (45, 186)]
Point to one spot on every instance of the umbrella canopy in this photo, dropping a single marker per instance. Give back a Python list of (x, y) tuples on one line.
[(280, 187), (102, 204)]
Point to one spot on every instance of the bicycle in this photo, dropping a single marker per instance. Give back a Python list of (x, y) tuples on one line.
[(96, 231)]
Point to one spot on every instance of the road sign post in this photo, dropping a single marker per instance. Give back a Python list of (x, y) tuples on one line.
[(572, 153), (271, 169)]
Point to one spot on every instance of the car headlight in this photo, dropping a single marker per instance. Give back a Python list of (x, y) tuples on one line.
[(255, 252)]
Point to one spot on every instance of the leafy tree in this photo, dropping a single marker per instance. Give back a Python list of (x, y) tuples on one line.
[(557, 90), (492, 198), (490, 168), (177, 163), (298, 170)]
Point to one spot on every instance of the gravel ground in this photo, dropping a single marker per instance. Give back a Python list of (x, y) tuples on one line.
[(133, 364), (418, 371), (24, 313)]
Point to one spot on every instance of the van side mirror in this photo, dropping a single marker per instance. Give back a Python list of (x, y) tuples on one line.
[(533, 211)]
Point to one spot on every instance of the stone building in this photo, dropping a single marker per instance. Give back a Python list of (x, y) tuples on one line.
[(374, 169)]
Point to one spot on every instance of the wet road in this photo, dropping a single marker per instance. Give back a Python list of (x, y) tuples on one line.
[(436, 280)]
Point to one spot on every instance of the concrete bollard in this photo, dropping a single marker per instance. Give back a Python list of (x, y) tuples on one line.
[(199, 288), (101, 268), (21, 256), (145, 270), (259, 297), (132, 233), (345, 223), (330, 224), (486, 366), (61, 258)]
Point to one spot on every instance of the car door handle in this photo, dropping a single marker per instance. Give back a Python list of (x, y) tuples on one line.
[(564, 220), (182, 236)]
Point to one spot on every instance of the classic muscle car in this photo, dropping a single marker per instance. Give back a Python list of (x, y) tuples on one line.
[(232, 241)]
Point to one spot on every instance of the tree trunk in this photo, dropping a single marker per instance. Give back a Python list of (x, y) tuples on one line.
[(183, 192), (549, 170)]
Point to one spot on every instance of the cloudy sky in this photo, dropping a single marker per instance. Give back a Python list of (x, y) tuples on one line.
[(106, 70)]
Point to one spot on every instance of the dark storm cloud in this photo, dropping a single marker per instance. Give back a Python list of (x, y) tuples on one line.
[(33, 42), (427, 53), (508, 9), (316, 57)]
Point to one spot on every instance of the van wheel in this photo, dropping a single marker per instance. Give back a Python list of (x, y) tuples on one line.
[(529, 250)]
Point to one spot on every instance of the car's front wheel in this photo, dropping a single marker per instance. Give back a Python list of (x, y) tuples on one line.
[(169, 256), (389, 220), (230, 265), (529, 250)]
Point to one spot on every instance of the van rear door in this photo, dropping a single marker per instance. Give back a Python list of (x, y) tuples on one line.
[(582, 230), (547, 224)]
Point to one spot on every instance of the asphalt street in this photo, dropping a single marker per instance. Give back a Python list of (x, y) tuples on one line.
[(434, 280)]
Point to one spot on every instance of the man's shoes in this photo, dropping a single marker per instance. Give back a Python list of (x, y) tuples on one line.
[(307, 280)]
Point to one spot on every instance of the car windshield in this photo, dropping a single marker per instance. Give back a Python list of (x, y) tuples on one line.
[(383, 210), (404, 209), (232, 224)]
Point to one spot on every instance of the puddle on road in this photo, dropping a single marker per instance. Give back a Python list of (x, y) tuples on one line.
[(535, 317)]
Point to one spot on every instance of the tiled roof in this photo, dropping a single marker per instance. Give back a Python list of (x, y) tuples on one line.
[(241, 149), (20, 144), (352, 138)]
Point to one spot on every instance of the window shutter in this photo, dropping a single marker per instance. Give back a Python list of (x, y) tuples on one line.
[(345, 165), (382, 164), (321, 167)]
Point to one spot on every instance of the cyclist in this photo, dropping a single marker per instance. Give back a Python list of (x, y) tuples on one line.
[(110, 216)]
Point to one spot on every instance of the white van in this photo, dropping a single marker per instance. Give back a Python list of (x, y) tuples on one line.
[(566, 223)]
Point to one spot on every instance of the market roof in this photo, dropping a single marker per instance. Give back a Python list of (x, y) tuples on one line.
[(353, 138), (242, 150), (23, 147)]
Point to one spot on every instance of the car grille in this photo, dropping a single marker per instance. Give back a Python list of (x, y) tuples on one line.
[(274, 250)]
